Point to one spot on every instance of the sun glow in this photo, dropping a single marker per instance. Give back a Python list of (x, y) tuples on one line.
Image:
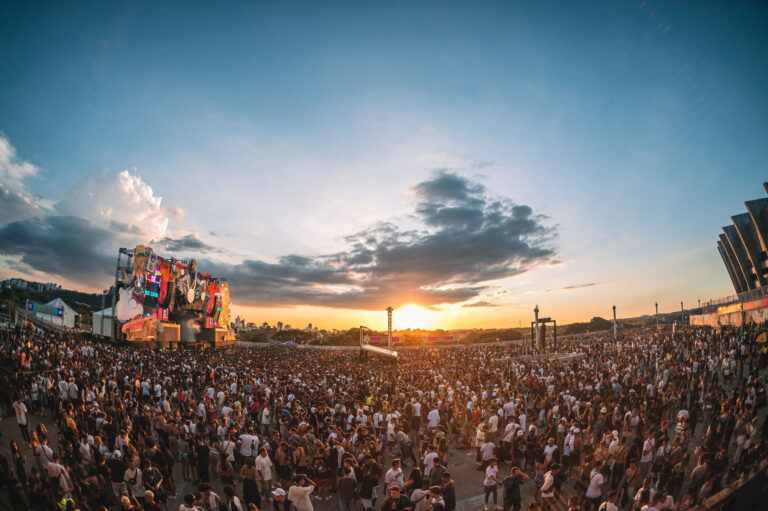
[(412, 316)]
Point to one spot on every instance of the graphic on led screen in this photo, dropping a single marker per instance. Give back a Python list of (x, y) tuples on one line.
[(169, 300)]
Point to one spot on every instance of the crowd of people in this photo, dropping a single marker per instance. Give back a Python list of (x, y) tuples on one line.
[(650, 422)]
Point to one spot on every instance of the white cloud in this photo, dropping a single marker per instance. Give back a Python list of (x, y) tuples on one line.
[(123, 202), (16, 202), (12, 170)]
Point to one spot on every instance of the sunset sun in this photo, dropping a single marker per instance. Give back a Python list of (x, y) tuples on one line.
[(412, 316)]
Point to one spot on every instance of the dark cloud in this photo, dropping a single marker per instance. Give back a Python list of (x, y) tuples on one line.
[(481, 303), (566, 288), (469, 238), (16, 206), (61, 245), (190, 243), (465, 239)]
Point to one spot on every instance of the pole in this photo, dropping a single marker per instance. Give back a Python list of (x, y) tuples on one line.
[(682, 314), (657, 315), (389, 327), (533, 334), (554, 335), (614, 322), (113, 335), (536, 321), (101, 326)]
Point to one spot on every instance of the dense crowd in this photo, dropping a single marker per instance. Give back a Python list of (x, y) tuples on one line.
[(651, 422)]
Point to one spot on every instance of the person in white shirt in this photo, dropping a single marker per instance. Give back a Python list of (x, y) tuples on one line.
[(646, 458), (610, 504), (21, 418), (548, 487), (493, 427), (490, 482), (134, 480), (429, 461), (378, 418), (265, 421), (549, 450), (433, 418), (245, 442), (393, 476), (595, 488), (264, 467), (227, 447), (233, 501)]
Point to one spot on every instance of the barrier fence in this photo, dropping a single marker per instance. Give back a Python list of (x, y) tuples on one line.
[(750, 494)]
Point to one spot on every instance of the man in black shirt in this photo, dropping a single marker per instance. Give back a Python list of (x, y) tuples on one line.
[(511, 485), (449, 491), (436, 502), (396, 501), (117, 468)]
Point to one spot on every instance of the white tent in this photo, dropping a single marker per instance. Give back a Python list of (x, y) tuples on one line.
[(102, 322), (67, 320)]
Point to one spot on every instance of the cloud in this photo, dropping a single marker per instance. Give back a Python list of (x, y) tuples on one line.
[(16, 205), (122, 199), (189, 242), (462, 239), (13, 171), (467, 239), (481, 303), (60, 245), (566, 288), (78, 236)]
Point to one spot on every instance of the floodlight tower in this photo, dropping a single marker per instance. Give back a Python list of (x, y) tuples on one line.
[(389, 327), (657, 315), (536, 320), (614, 322)]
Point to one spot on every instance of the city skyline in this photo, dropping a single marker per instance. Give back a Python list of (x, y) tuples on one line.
[(467, 162)]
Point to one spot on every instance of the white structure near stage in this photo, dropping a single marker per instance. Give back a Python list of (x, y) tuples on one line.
[(70, 318), (102, 322)]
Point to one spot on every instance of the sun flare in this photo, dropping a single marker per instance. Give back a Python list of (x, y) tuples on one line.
[(412, 316)]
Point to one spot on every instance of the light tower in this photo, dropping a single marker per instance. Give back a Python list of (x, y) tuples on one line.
[(657, 315), (389, 327), (614, 322), (682, 314), (536, 321)]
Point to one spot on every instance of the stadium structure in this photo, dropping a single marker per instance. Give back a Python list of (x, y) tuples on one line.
[(743, 246)]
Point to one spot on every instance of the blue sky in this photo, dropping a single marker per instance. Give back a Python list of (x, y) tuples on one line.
[(637, 128)]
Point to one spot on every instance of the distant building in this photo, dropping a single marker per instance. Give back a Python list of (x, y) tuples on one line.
[(279, 326), (35, 287)]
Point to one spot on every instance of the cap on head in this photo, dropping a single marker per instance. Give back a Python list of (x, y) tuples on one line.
[(279, 492)]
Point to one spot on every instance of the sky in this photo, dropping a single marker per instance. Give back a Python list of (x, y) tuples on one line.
[(474, 159)]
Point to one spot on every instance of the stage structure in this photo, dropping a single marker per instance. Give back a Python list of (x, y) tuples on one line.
[(164, 302), (539, 332), (368, 343)]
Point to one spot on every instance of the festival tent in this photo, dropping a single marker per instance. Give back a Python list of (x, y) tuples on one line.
[(70, 319), (102, 322)]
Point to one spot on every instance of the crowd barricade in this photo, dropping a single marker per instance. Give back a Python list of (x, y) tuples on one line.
[(748, 494), (244, 344), (23, 315)]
